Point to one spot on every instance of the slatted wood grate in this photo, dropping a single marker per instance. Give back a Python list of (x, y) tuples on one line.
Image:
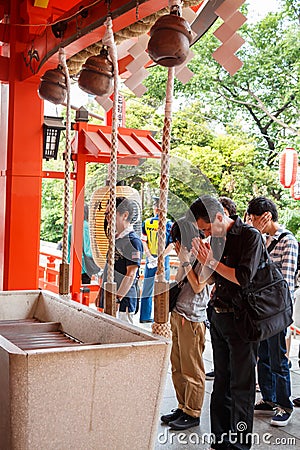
[(31, 334)]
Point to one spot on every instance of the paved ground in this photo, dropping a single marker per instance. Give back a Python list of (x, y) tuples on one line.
[(267, 436)]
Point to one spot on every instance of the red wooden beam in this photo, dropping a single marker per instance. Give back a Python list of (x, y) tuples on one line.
[(82, 33), (4, 68)]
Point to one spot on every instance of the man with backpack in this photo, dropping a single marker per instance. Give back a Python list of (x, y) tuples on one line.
[(273, 365), (233, 256)]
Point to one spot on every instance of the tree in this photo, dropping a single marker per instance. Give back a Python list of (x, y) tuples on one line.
[(264, 94)]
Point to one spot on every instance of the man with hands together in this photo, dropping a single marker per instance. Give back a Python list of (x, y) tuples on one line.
[(233, 254)]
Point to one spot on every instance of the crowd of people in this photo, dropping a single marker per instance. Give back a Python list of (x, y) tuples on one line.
[(219, 254)]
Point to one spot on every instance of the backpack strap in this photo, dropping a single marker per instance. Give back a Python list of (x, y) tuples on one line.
[(275, 241)]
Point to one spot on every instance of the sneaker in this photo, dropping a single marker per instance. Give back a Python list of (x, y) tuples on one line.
[(184, 422), (296, 401), (175, 414), (210, 375), (264, 407), (281, 418)]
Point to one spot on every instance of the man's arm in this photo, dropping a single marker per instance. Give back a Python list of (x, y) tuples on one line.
[(146, 248), (127, 281), (186, 269), (203, 252), (168, 249)]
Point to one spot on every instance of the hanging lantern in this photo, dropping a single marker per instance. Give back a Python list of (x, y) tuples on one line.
[(100, 197), (96, 76), (295, 189), (170, 40), (288, 164), (53, 86)]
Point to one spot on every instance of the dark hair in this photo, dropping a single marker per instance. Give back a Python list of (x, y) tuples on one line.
[(184, 231), (123, 205), (228, 204), (205, 207), (260, 205)]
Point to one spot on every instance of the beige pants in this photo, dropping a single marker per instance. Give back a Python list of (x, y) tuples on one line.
[(188, 372)]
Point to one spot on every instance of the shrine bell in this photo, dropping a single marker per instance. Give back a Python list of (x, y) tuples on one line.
[(53, 86), (96, 76), (170, 39)]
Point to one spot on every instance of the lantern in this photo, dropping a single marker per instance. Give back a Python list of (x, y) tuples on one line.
[(295, 189), (288, 164), (96, 76), (52, 128), (53, 86), (170, 40)]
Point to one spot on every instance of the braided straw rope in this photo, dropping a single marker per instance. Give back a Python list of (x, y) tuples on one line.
[(164, 176), (67, 178), (164, 329), (136, 29), (108, 39)]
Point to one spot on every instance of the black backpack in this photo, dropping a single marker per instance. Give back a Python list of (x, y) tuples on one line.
[(265, 307)]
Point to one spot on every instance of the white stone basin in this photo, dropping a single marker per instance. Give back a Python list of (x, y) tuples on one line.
[(102, 394)]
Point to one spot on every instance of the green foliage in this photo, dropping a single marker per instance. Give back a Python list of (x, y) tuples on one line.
[(52, 210), (225, 135), (292, 223)]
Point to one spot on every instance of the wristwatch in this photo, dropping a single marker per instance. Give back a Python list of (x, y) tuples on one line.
[(185, 264), (212, 264)]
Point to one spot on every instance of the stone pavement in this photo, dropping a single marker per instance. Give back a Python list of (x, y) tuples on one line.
[(265, 435)]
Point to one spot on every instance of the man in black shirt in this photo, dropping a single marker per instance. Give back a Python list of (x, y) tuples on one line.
[(233, 255)]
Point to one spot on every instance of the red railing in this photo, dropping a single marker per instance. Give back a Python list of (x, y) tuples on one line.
[(50, 261)]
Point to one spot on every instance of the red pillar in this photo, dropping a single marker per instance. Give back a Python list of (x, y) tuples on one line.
[(78, 212), (21, 199)]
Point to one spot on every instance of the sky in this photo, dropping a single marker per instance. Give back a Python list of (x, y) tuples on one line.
[(259, 8)]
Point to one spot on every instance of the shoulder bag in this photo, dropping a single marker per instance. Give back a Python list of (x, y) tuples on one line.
[(265, 307), (175, 289)]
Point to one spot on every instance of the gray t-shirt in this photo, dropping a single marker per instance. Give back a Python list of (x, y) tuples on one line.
[(190, 305)]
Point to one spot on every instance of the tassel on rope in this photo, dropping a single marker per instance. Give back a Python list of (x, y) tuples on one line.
[(64, 285), (110, 286)]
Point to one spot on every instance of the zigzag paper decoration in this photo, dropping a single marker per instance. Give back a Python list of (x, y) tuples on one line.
[(226, 33)]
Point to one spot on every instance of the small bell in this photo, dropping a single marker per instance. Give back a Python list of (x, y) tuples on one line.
[(53, 86), (170, 39), (96, 76)]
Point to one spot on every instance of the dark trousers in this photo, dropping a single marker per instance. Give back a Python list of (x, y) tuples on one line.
[(273, 371), (233, 396)]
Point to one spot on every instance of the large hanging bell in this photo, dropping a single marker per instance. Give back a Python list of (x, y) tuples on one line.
[(170, 39), (53, 86), (96, 76)]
